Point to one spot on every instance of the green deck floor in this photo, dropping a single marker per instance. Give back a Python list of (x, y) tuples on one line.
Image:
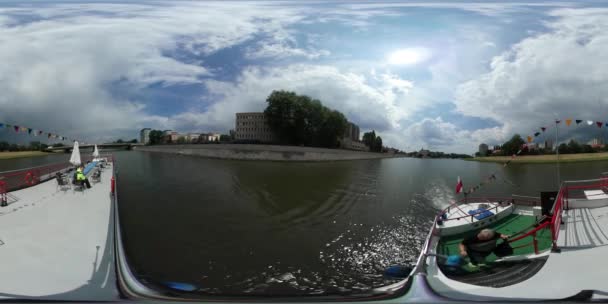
[(509, 225)]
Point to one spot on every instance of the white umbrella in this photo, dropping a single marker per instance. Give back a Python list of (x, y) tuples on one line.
[(75, 158), (95, 152)]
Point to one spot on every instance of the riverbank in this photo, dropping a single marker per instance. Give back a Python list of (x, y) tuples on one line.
[(265, 152), (21, 154), (541, 159)]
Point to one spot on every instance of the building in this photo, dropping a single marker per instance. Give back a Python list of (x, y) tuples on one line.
[(192, 137), (144, 135), (483, 150), (350, 139), (352, 131), (425, 153), (596, 143), (252, 126), (209, 137), (170, 136)]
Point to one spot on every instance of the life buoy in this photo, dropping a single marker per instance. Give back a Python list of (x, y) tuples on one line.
[(29, 178)]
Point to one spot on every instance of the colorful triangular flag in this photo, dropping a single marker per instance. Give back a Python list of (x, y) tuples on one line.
[(543, 129), (568, 122), (599, 124), (536, 134), (1, 125), (17, 129), (589, 122), (557, 121), (29, 131), (578, 121), (529, 139)]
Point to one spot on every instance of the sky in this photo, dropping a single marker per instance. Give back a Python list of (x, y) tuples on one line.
[(436, 75)]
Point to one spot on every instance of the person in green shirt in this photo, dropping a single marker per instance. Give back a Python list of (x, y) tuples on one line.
[(81, 178)]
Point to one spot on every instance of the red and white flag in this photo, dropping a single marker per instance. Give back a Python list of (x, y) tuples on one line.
[(459, 186)]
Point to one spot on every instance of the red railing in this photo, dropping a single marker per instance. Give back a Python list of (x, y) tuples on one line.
[(532, 233), (3, 195), (23, 178), (556, 219)]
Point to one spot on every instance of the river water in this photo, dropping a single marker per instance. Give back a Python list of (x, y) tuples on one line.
[(235, 227)]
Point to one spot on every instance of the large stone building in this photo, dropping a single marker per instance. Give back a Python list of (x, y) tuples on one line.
[(483, 150), (144, 135), (209, 137), (350, 139), (352, 131), (170, 136), (252, 126)]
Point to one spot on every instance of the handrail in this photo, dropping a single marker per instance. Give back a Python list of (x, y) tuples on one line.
[(529, 233), (27, 177)]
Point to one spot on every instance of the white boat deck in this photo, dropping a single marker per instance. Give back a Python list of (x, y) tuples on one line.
[(58, 244), (584, 227), (578, 267)]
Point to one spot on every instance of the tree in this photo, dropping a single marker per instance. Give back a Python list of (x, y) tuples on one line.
[(574, 147), (13, 147), (225, 138), (513, 145), (133, 141), (181, 140), (155, 137), (120, 141), (4, 146), (369, 139), (587, 149), (378, 144), (563, 149), (34, 146), (301, 120)]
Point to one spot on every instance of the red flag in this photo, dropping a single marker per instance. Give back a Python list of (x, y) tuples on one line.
[(459, 186), (599, 124)]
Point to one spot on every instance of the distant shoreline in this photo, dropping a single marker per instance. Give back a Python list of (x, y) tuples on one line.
[(265, 152), (22, 154), (545, 159)]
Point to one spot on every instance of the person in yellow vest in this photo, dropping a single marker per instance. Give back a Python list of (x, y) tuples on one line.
[(81, 178)]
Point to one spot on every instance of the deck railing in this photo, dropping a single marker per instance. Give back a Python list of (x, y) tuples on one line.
[(23, 178), (516, 200)]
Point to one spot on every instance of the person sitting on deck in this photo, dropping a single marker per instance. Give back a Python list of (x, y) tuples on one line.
[(481, 245), (82, 179)]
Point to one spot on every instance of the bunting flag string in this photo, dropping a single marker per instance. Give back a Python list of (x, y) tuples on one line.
[(33, 132), (530, 140)]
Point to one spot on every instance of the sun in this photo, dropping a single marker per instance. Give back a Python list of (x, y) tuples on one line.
[(408, 56)]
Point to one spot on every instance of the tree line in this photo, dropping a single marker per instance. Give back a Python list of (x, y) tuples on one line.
[(32, 146), (303, 121), (516, 143), (372, 141)]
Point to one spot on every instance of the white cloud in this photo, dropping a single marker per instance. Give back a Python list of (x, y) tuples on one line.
[(59, 66), (560, 73), (372, 102)]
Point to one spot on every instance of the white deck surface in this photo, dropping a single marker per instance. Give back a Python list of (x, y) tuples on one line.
[(58, 244), (584, 227), (595, 194), (564, 274)]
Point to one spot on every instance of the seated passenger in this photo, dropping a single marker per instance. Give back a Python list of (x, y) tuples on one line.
[(81, 178), (479, 246)]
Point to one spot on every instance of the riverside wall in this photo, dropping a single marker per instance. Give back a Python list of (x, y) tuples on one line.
[(264, 152)]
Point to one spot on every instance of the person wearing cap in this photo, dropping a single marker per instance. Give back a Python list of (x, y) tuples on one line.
[(81, 178), (480, 245)]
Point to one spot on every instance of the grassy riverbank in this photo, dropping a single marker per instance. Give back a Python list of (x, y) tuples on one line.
[(534, 159), (20, 154)]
